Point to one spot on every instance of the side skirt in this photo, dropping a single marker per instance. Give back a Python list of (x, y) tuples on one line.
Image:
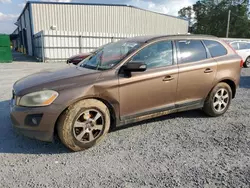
[(161, 112)]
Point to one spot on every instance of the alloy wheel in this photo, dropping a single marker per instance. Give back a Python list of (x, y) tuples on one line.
[(221, 100), (88, 126)]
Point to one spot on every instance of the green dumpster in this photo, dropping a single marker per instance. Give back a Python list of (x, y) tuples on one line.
[(5, 50)]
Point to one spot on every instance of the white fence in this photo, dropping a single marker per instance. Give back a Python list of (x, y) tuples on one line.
[(59, 45)]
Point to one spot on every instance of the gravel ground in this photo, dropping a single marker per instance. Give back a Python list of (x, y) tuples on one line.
[(180, 150)]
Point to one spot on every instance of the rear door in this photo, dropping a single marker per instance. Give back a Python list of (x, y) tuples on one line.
[(197, 72)]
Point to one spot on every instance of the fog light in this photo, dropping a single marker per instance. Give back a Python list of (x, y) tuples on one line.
[(33, 119)]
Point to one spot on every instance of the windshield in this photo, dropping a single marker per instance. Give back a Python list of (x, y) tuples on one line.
[(99, 48), (110, 55)]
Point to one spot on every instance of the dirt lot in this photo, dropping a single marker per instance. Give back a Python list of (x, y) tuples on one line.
[(180, 150)]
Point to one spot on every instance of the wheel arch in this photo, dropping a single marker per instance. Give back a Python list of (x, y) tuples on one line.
[(230, 82), (246, 58), (113, 117)]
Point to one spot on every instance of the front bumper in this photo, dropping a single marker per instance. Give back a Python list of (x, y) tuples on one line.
[(35, 122)]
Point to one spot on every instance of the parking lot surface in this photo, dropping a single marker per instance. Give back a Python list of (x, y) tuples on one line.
[(186, 149)]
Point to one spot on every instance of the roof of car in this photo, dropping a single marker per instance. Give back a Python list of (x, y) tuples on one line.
[(148, 38)]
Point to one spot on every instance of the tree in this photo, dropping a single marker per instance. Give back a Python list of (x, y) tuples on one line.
[(187, 13), (210, 17)]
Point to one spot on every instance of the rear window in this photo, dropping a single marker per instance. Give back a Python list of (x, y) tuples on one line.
[(191, 51), (215, 48)]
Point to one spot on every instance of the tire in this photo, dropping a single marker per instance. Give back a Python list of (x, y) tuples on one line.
[(214, 107), (69, 121), (247, 63)]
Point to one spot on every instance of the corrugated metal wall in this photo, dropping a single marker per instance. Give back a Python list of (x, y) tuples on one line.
[(38, 45), (60, 45), (104, 19), (24, 42), (28, 31)]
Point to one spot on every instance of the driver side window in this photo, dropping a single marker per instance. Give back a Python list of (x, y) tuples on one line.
[(158, 54)]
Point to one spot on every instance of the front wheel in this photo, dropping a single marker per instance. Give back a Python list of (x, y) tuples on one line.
[(247, 63), (219, 100), (84, 124)]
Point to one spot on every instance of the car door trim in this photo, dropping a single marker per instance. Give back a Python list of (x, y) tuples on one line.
[(189, 103), (155, 112), (164, 110)]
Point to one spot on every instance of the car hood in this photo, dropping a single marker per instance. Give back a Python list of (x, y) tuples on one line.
[(57, 79)]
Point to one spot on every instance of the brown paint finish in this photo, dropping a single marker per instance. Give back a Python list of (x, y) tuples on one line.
[(130, 98), (147, 90), (228, 69), (194, 82)]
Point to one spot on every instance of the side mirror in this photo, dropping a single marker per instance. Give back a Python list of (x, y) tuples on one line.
[(135, 66)]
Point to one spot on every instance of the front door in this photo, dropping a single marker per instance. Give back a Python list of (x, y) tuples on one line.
[(196, 73), (154, 89)]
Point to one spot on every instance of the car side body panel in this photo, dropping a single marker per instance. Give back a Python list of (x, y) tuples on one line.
[(194, 82), (147, 90), (228, 69)]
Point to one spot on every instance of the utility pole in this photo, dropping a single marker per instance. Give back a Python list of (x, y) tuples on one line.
[(228, 23)]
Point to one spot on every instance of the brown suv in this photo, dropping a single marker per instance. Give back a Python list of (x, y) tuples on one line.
[(127, 81)]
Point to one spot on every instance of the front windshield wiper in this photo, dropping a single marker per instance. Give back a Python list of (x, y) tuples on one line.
[(93, 67), (88, 66)]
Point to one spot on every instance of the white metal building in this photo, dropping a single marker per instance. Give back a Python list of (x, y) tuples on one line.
[(58, 30)]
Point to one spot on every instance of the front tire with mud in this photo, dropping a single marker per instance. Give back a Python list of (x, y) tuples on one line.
[(84, 124)]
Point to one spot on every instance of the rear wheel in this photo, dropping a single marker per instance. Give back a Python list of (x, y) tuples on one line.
[(219, 100), (247, 63), (84, 124)]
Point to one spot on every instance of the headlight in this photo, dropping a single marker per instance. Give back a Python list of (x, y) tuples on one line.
[(40, 98)]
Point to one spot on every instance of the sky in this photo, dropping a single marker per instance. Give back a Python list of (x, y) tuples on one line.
[(11, 9)]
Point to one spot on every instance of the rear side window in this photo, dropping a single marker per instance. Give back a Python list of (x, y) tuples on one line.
[(191, 51), (244, 45), (215, 48)]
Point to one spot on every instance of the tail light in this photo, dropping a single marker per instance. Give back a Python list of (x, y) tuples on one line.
[(241, 63)]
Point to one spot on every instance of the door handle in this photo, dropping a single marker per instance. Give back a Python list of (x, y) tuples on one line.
[(168, 78), (208, 70)]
